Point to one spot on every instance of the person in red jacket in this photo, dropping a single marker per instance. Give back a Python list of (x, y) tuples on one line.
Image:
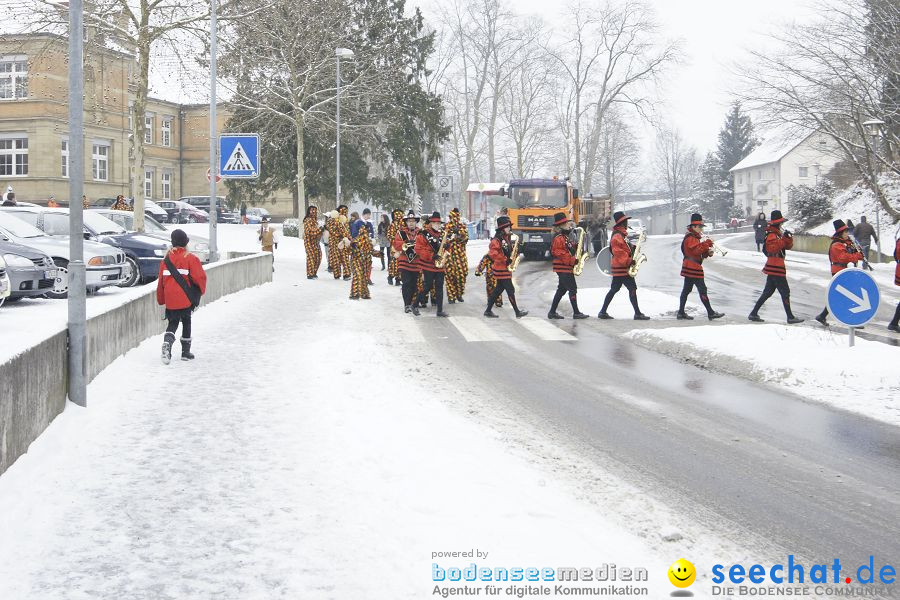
[(894, 325), (841, 253), (695, 251), (170, 294), (428, 242), (622, 259), (407, 261), (500, 252), (563, 252), (775, 248)]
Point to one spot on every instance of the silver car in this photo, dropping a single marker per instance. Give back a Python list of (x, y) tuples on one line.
[(105, 265)]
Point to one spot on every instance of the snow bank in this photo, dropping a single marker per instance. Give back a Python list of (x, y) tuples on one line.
[(813, 363), (857, 201)]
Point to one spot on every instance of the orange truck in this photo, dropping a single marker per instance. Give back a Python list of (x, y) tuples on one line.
[(537, 200)]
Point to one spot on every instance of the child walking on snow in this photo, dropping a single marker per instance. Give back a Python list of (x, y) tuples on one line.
[(181, 282)]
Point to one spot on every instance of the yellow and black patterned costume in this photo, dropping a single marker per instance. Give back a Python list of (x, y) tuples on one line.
[(484, 267), (312, 233), (393, 229), (346, 252), (457, 265), (336, 236), (361, 260)]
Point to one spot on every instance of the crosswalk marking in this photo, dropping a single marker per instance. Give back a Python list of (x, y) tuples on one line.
[(475, 329), (545, 330)]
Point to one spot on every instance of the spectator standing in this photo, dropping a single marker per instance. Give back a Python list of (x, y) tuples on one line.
[(179, 272), (734, 224), (121, 203), (243, 213), (759, 230), (864, 234), (52, 203), (382, 238), (84, 202)]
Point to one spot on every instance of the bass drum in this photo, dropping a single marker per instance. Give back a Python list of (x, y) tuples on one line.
[(604, 261)]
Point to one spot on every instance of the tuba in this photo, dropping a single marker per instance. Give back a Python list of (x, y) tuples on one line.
[(637, 256), (441, 254), (515, 257), (581, 253)]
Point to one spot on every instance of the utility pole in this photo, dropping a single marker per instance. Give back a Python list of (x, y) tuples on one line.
[(213, 167), (77, 285)]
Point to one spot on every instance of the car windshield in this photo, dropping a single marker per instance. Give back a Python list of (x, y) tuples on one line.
[(548, 197), (100, 225), (151, 224), (17, 227)]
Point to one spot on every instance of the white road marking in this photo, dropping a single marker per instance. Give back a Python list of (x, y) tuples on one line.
[(475, 329), (545, 330)]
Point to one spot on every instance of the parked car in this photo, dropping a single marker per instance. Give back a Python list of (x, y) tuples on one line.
[(5, 286), (104, 264), (142, 253), (198, 246), (635, 228), (255, 214), (151, 208), (223, 215), (30, 271), (182, 212)]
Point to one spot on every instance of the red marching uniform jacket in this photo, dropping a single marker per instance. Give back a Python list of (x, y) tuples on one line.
[(840, 254), (427, 243), (775, 247), (168, 292), (403, 236), (621, 252), (897, 258), (694, 252), (499, 251), (563, 252)]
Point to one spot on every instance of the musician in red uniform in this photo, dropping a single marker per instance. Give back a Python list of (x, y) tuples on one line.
[(841, 253), (695, 251), (775, 248), (500, 252), (622, 259), (563, 251), (428, 242), (894, 325), (407, 262)]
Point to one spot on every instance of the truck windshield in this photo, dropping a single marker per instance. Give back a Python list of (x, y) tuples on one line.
[(546, 197)]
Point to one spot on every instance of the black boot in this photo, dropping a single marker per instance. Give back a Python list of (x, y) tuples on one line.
[(554, 315), (186, 349), (683, 316), (822, 317), (519, 313), (390, 280), (755, 318), (168, 340), (488, 313), (576, 314), (555, 304), (894, 325), (415, 310), (715, 315)]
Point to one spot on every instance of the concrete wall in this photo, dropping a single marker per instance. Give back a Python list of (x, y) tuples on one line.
[(821, 243), (33, 385)]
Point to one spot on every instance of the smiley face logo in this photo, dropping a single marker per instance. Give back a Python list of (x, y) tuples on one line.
[(682, 573)]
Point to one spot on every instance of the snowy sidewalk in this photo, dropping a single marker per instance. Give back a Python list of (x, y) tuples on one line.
[(310, 451)]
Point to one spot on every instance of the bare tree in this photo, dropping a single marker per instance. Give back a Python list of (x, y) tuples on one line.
[(619, 153), (833, 76), (676, 166)]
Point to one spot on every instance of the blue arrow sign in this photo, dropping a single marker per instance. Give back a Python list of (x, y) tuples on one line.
[(853, 297), (239, 155)]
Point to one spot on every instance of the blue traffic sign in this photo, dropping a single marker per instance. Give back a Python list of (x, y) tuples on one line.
[(239, 155), (853, 297)]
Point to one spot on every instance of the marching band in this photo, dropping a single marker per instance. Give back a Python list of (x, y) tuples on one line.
[(422, 260)]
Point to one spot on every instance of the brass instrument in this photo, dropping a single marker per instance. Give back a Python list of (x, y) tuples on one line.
[(404, 249), (638, 258), (514, 256), (859, 249), (441, 254), (581, 255), (715, 246)]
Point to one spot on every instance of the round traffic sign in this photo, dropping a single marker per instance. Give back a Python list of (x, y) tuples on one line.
[(853, 297), (218, 177)]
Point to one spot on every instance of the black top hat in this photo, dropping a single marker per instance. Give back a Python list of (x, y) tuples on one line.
[(697, 219), (560, 219), (503, 222), (776, 218), (411, 215), (619, 217), (435, 217), (839, 226)]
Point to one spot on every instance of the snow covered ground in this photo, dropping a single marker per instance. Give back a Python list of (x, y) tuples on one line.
[(315, 449), (814, 363)]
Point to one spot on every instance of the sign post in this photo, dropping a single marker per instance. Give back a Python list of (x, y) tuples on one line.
[(853, 298)]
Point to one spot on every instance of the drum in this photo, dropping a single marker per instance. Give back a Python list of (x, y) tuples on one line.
[(604, 261)]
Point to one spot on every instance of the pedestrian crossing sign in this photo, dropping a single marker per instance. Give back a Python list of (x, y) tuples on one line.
[(239, 155)]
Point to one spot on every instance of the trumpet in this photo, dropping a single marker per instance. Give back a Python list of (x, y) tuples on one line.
[(514, 256), (715, 246)]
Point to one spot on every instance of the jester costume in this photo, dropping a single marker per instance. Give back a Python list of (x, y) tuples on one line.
[(361, 262), (393, 229), (336, 236), (457, 267), (489, 282), (312, 233), (345, 252)]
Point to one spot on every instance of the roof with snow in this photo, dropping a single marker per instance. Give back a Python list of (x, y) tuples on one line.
[(487, 188), (772, 150)]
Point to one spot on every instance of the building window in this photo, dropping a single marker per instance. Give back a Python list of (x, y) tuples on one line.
[(14, 156), (100, 156), (804, 171), (65, 158), (759, 175), (166, 183), (148, 129), (13, 77), (166, 133), (740, 179), (148, 183)]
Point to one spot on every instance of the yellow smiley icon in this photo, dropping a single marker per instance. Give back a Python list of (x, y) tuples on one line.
[(682, 573)]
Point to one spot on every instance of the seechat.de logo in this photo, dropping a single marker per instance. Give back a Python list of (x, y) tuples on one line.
[(682, 573)]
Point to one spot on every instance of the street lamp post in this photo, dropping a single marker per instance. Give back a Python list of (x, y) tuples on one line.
[(873, 126), (339, 53)]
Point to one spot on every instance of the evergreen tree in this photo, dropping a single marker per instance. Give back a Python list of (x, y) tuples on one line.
[(811, 205), (712, 189), (736, 141)]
